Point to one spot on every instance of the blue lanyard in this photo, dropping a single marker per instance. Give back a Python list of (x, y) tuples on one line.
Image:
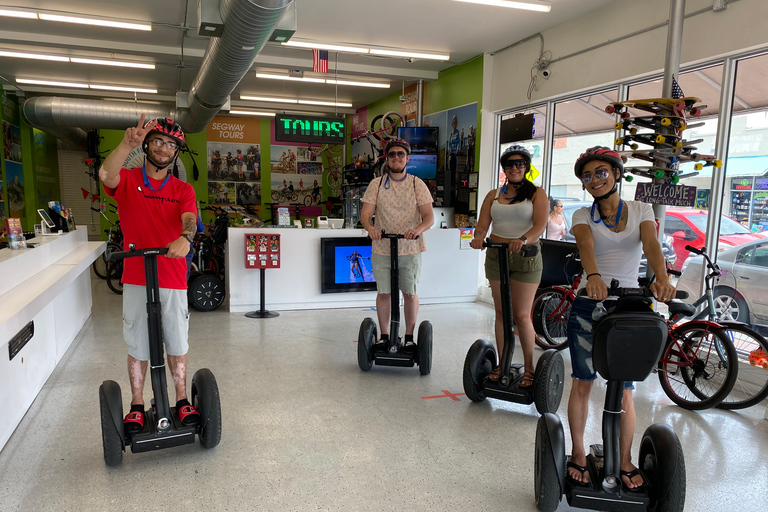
[(387, 184), (504, 192), (600, 219), (146, 178)]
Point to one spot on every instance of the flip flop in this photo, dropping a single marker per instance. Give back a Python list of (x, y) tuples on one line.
[(188, 415), (133, 422), (527, 377), (580, 469), (494, 375), (631, 474)]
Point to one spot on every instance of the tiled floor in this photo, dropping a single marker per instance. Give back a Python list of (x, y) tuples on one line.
[(305, 429)]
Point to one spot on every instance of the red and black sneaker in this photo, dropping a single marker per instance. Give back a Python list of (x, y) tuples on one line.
[(134, 420), (188, 415)]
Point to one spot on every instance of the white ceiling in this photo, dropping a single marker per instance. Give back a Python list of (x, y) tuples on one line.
[(465, 30)]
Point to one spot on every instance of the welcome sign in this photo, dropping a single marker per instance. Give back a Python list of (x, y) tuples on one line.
[(666, 194)]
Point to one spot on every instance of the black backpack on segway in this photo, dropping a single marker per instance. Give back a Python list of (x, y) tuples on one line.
[(395, 352), (549, 375), (162, 427), (627, 344)]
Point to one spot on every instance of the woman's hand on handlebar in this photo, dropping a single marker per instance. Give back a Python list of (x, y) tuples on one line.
[(663, 291), (476, 243), (516, 245), (596, 288), (179, 248)]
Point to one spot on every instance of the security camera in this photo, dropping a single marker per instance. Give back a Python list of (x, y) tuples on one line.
[(545, 73), (403, 98), (410, 59)]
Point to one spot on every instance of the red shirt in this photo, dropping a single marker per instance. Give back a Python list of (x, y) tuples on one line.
[(152, 218)]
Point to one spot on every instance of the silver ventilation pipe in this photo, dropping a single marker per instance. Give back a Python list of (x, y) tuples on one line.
[(247, 28)]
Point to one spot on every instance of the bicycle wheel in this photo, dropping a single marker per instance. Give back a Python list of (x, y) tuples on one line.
[(100, 267), (550, 312), (115, 276), (276, 195), (390, 123), (751, 386), (333, 179), (696, 369)]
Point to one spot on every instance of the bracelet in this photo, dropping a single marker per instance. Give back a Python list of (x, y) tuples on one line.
[(594, 274)]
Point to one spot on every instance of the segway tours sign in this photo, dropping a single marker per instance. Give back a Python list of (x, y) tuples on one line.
[(315, 130), (666, 194)]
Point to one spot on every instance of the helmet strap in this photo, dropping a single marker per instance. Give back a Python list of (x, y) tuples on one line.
[(516, 184), (604, 197)]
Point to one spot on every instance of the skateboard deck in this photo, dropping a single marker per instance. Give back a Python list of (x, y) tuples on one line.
[(665, 140), (671, 156), (656, 106)]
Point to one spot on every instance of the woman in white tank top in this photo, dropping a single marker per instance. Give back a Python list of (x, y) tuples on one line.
[(518, 211)]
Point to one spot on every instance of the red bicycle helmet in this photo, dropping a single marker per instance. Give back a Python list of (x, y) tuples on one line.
[(394, 143), (169, 128), (598, 153)]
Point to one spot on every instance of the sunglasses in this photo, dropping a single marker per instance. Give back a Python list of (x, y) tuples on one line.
[(511, 164), (398, 154), (160, 143), (599, 174)]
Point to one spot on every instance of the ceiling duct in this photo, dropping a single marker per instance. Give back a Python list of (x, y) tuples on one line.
[(248, 25)]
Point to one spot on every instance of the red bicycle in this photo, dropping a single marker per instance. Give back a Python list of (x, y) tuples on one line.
[(552, 308)]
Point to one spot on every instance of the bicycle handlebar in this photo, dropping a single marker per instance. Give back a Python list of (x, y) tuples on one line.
[(701, 252)]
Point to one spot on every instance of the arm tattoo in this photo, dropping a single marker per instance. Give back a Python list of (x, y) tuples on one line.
[(190, 227)]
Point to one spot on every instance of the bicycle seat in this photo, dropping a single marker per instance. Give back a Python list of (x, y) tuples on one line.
[(681, 308)]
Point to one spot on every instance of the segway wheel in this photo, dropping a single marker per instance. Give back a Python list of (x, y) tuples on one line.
[(545, 479), (549, 380), (365, 340), (206, 292), (205, 398), (485, 361), (111, 408), (663, 465), (424, 341)]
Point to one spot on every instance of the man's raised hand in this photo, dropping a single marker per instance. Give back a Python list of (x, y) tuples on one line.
[(134, 136)]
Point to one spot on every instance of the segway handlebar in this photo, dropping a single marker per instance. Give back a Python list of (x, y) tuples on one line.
[(121, 255), (393, 235), (616, 291), (490, 244)]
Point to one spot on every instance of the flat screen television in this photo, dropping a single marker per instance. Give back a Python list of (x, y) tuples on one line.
[(346, 265), (424, 143)]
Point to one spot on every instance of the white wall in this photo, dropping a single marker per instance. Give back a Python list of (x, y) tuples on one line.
[(740, 26)]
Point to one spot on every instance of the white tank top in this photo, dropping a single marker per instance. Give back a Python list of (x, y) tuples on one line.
[(511, 220)]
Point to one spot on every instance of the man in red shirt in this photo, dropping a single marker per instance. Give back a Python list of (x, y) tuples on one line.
[(156, 210)]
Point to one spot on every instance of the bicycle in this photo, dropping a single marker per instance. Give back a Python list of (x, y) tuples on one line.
[(284, 195), (751, 385), (333, 177), (383, 128), (552, 308), (114, 243)]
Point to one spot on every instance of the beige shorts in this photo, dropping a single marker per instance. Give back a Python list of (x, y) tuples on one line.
[(175, 321), (409, 270), (523, 269)]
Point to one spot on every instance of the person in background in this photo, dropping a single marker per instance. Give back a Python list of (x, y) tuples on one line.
[(556, 225), (517, 212)]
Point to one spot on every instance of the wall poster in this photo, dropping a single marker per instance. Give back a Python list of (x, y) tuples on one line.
[(234, 162), (14, 175)]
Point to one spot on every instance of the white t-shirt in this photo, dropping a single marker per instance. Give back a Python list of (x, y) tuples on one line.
[(617, 254)]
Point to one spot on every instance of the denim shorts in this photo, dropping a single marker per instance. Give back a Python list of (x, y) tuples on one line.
[(521, 268), (580, 325), (175, 321), (409, 270)]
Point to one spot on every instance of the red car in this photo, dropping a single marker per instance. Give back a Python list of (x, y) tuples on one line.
[(687, 226)]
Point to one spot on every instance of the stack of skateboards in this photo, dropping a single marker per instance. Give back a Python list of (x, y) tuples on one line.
[(661, 142)]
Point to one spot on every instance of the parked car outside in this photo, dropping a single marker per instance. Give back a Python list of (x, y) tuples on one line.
[(741, 294), (687, 226), (666, 247)]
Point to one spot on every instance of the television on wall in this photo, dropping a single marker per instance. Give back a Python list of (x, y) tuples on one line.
[(424, 144), (346, 265)]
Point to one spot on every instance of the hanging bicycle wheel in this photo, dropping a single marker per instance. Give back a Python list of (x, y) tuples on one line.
[(387, 124), (333, 179), (698, 367), (751, 385)]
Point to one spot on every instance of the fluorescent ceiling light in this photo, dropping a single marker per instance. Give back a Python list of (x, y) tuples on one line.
[(120, 63), (36, 56), (95, 21), (125, 89), (260, 98), (414, 55), (294, 78), (324, 103), (251, 113), (325, 46), (528, 6), (358, 84), (48, 82), (18, 14)]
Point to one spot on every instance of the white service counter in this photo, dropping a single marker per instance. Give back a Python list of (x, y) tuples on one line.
[(448, 273), (49, 285)]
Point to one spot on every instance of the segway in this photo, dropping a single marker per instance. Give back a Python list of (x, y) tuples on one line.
[(628, 342), (395, 352), (162, 428), (549, 375)]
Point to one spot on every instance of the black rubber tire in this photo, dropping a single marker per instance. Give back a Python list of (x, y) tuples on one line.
[(732, 306), (692, 371), (424, 353), (366, 337), (205, 398), (548, 387), (110, 437), (546, 481), (550, 333), (206, 292), (374, 121), (474, 390), (115, 276), (661, 457), (99, 267), (751, 385)]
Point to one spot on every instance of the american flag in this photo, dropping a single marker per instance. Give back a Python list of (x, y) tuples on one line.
[(320, 61), (677, 92)]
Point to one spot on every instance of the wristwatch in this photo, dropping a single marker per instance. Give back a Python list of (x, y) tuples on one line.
[(524, 239), (189, 236)]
